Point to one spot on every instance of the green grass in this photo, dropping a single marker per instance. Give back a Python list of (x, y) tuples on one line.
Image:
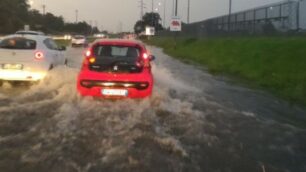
[(61, 42), (277, 64)]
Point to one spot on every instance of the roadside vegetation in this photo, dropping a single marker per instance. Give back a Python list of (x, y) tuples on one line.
[(14, 14), (277, 64)]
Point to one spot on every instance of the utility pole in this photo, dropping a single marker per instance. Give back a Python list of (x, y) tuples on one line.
[(188, 12), (229, 15), (165, 5), (152, 13), (90, 27), (141, 9), (176, 4), (76, 16), (152, 6), (44, 9), (175, 14)]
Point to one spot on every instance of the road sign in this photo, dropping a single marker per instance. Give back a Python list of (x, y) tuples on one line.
[(175, 24), (150, 31)]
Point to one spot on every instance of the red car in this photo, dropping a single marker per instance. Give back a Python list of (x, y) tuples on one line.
[(116, 69)]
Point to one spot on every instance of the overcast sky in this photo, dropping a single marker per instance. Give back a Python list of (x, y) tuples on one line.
[(121, 15)]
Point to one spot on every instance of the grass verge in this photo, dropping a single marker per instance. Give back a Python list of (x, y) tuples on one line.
[(277, 64)]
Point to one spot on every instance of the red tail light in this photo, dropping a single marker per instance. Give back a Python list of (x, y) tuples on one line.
[(145, 56), (146, 60), (88, 53), (88, 59), (39, 55)]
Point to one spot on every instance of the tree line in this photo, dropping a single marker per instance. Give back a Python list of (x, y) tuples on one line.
[(149, 19), (14, 14)]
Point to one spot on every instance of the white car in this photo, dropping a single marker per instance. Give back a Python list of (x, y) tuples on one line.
[(27, 57), (78, 40)]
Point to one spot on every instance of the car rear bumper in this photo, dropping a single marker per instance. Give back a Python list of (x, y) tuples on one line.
[(131, 92), (133, 89), (78, 43), (20, 75)]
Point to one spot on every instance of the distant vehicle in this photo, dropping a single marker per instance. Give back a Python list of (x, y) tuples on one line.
[(24, 32), (115, 68), (100, 35), (28, 57), (129, 36), (78, 40)]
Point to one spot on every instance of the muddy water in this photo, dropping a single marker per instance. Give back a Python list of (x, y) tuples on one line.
[(193, 122)]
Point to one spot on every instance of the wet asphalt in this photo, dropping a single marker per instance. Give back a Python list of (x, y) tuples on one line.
[(193, 122)]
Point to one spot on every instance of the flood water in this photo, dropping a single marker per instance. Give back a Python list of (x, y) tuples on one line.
[(193, 122)]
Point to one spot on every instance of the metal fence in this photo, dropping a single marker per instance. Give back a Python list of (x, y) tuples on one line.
[(286, 16)]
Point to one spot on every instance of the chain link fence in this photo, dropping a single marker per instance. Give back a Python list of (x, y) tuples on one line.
[(284, 17)]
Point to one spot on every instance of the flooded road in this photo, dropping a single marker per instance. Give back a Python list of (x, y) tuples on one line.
[(193, 122)]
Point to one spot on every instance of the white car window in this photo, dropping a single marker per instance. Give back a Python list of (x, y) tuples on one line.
[(18, 43), (50, 44)]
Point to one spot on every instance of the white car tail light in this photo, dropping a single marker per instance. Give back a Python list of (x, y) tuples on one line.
[(39, 55)]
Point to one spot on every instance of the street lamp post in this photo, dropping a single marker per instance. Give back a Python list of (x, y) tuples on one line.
[(76, 16), (229, 15), (44, 9), (176, 4), (152, 13), (165, 5), (188, 12)]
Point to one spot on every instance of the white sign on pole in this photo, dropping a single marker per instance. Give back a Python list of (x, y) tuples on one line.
[(26, 27), (176, 24), (150, 31)]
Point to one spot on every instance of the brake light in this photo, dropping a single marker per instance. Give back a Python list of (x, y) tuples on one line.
[(145, 56), (39, 55), (146, 60), (88, 53)]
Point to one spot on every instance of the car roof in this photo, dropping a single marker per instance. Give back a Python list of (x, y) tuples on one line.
[(29, 32), (119, 42), (28, 36)]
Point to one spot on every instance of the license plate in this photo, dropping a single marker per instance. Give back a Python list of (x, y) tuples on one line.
[(114, 92), (12, 66)]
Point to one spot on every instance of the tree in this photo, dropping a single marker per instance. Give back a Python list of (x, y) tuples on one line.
[(153, 20), (13, 13), (149, 19), (139, 27)]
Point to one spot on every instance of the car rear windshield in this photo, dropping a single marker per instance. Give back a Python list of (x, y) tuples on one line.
[(18, 43), (119, 52)]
